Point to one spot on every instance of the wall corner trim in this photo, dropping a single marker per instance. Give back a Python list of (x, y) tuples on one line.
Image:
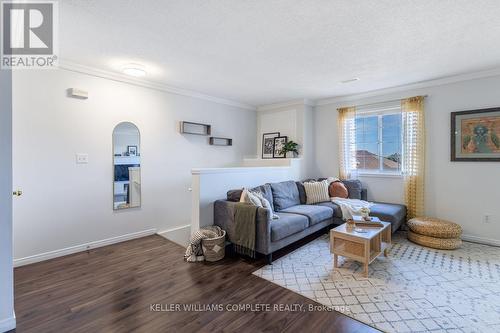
[(201, 171), (8, 324), (179, 235), (110, 75), (304, 102), (411, 86), (481, 240), (82, 247)]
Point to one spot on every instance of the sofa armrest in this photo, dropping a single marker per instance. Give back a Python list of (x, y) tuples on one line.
[(224, 217), (364, 194)]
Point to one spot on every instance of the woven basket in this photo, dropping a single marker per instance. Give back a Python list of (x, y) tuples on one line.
[(214, 249), (434, 242)]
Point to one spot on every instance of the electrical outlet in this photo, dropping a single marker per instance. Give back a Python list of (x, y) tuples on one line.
[(487, 218), (82, 158)]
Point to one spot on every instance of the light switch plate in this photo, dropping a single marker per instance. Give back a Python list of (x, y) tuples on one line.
[(82, 158)]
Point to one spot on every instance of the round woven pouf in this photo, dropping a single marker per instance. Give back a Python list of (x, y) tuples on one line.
[(434, 242), (433, 227)]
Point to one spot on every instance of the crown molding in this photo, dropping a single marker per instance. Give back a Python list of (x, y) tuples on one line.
[(411, 86), (295, 102), (110, 75)]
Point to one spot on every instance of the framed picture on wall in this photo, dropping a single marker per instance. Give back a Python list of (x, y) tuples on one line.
[(268, 144), (475, 135), (279, 143), (132, 150)]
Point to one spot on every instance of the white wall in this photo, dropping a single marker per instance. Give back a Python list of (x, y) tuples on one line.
[(294, 120), (459, 191), (283, 120), (65, 204), (212, 184), (7, 320)]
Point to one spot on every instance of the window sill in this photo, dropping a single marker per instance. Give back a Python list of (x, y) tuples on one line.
[(380, 175)]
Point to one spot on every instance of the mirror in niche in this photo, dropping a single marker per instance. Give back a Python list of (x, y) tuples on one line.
[(126, 166)]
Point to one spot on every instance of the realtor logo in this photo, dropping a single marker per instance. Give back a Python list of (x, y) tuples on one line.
[(29, 34)]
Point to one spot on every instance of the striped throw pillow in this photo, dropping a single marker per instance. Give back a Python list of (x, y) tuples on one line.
[(316, 192)]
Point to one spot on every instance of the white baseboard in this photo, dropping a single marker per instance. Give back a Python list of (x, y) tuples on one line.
[(82, 247), (8, 324), (179, 235), (481, 240)]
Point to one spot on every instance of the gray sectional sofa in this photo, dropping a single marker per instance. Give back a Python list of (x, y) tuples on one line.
[(297, 219)]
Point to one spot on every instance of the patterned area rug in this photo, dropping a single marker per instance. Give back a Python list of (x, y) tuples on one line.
[(414, 289)]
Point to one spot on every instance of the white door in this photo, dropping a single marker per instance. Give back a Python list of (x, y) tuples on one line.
[(7, 321)]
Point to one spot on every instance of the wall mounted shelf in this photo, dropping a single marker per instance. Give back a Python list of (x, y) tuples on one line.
[(214, 141), (188, 127)]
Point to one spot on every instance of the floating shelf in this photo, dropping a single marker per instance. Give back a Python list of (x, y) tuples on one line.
[(188, 127), (214, 141)]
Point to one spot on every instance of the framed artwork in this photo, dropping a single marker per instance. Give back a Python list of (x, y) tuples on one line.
[(279, 143), (268, 144), (475, 135), (132, 150)]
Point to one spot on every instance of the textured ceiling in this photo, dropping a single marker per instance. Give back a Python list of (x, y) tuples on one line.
[(267, 51)]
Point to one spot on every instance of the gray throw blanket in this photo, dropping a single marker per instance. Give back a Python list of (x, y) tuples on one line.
[(194, 251), (245, 216)]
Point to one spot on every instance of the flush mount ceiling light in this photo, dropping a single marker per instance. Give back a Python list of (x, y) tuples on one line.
[(354, 79), (134, 70)]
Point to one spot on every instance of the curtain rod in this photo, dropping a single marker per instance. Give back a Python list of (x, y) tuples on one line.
[(389, 101)]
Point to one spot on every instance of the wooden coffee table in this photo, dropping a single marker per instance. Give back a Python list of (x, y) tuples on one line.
[(363, 247)]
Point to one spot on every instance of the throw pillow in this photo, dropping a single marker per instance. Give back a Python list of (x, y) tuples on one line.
[(338, 190), (265, 203), (317, 192), (302, 193), (234, 195), (249, 197), (354, 187)]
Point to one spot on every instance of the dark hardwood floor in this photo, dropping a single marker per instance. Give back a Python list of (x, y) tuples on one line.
[(111, 289)]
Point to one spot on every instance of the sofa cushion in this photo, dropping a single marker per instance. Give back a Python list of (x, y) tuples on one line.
[(288, 224), (337, 212), (285, 194), (266, 193), (234, 195), (354, 188), (393, 213), (314, 213), (302, 193)]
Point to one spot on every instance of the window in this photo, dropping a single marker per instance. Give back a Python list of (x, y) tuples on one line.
[(378, 140)]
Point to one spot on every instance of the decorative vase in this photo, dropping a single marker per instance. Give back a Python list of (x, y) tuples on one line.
[(350, 225), (365, 213)]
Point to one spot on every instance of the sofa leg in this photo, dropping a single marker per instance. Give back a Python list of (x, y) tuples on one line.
[(269, 259)]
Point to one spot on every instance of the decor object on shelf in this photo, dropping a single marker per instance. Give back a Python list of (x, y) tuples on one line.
[(475, 135), (291, 147), (188, 127), (214, 141), (278, 146), (126, 169), (132, 150), (435, 233), (268, 144)]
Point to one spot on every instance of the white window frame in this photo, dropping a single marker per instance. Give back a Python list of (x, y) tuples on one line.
[(379, 111)]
